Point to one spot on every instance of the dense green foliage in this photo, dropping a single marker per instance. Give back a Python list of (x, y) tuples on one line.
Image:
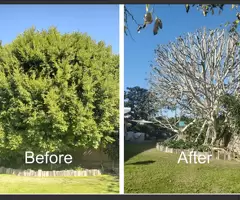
[(112, 149), (232, 105), (57, 92)]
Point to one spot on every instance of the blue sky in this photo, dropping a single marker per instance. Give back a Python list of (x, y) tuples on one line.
[(101, 22), (140, 51)]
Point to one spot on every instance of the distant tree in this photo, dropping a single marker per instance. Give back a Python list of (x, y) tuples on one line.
[(141, 102), (57, 92)]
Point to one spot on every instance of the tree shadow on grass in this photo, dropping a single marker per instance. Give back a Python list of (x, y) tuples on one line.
[(133, 149), (147, 162)]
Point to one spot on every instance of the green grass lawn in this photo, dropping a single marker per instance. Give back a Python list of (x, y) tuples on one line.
[(150, 171), (91, 184)]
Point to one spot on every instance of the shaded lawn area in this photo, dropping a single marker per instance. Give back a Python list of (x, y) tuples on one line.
[(153, 171), (130, 152), (91, 184)]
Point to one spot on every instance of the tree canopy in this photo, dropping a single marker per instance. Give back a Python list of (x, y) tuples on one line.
[(57, 92)]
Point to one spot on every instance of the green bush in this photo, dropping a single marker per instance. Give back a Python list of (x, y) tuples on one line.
[(181, 144)]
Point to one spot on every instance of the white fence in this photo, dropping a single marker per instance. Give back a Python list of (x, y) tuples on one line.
[(40, 173), (218, 154)]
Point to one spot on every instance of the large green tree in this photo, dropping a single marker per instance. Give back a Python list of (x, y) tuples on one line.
[(57, 92)]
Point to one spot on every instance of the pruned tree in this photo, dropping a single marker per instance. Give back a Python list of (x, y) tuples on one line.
[(192, 74)]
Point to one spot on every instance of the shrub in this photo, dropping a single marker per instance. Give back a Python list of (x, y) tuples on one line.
[(181, 144)]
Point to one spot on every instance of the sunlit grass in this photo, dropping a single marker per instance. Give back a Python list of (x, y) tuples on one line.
[(151, 171), (91, 184)]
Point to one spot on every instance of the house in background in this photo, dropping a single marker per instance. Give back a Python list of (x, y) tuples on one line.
[(130, 135)]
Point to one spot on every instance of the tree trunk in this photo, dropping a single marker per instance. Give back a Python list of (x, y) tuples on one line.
[(214, 129), (214, 136), (207, 135)]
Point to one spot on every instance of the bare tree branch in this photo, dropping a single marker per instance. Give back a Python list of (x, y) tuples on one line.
[(194, 72)]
